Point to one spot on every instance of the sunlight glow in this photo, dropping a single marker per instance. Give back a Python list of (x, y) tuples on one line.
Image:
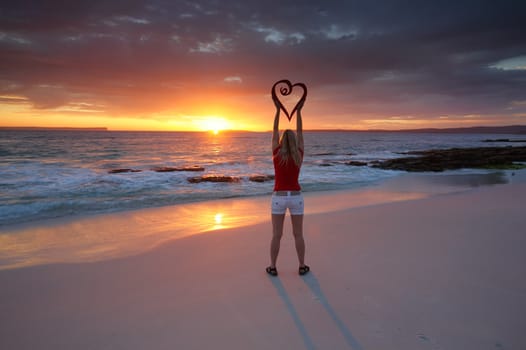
[(212, 123)]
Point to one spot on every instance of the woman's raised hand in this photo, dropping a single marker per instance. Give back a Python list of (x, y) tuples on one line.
[(276, 103), (300, 104)]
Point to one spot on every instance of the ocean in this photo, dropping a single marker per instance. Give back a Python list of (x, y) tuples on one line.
[(55, 174)]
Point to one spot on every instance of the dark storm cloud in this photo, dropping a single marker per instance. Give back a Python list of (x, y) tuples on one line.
[(391, 57)]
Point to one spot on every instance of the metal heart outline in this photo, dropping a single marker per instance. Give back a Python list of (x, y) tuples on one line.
[(285, 91)]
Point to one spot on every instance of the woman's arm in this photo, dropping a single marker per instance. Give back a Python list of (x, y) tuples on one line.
[(299, 127), (275, 130)]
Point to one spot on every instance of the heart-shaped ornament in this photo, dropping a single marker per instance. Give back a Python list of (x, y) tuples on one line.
[(285, 91)]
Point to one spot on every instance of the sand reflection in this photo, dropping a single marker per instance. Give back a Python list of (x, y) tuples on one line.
[(101, 237)]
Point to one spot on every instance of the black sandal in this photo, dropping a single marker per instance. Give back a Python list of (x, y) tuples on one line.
[(272, 271), (303, 270)]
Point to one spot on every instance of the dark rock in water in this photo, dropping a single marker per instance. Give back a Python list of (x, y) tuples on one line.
[(213, 178), (324, 154), (496, 140), (456, 158), (503, 140), (261, 178), (356, 163), (123, 170), (170, 169), (325, 164)]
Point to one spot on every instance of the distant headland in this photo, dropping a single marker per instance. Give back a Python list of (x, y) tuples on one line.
[(38, 128), (508, 129)]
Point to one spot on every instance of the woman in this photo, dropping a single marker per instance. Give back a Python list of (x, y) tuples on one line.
[(287, 155)]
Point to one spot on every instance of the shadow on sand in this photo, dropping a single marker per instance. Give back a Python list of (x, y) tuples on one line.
[(293, 313), (313, 284)]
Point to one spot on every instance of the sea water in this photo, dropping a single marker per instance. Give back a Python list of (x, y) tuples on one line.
[(52, 174)]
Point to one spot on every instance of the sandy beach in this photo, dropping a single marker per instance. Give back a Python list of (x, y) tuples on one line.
[(412, 272)]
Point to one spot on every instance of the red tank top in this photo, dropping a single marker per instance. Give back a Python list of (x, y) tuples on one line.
[(287, 174)]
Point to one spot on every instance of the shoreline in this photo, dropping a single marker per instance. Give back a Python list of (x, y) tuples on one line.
[(110, 236), (436, 182)]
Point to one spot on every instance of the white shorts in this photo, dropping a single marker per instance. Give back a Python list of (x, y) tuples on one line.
[(293, 202)]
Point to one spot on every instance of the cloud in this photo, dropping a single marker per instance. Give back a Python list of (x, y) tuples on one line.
[(233, 79), (513, 63), (388, 57), (217, 46)]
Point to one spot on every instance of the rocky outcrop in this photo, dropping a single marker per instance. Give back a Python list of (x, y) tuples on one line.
[(123, 170), (351, 162), (356, 163), (261, 178), (213, 178), (158, 169), (456, 158), (503, 140), (170, 169)]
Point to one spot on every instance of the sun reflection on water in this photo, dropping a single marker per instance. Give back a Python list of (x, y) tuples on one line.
[(218, 219)]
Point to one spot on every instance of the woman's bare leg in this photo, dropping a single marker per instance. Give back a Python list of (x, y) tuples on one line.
[(277, 233), (297, 230)]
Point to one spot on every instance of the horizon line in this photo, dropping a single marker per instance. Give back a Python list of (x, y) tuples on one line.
[(516, 128)]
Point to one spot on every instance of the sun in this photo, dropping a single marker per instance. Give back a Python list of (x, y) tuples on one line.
[(214, 124)]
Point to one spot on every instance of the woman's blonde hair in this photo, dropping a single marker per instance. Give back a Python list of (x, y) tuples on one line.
[(289, 148)]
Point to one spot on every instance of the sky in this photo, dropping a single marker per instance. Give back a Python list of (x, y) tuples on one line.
[(197, 65)]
